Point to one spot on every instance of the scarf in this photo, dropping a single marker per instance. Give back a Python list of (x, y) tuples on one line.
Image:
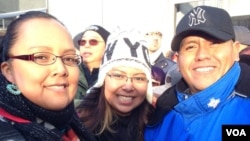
[(44, 124)]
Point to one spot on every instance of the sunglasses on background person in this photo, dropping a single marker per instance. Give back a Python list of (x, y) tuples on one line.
[(92, 42)]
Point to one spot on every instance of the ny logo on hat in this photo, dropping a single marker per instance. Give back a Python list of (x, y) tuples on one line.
[(126, 48), (197, 17)]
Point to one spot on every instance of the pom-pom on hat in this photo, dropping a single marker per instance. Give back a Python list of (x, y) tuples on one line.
[(211, 21), (100, 30), (126, 48)]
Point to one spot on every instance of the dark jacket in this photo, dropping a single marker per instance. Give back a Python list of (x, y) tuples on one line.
[(164, 63), (90, 76), (87, 79), (245, 59), (82, 87), (170, 68), (125, 130), (8, 133)]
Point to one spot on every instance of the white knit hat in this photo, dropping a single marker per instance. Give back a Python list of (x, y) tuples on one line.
[(126, 48)]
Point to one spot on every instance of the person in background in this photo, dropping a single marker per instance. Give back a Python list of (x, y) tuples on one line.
[(245, 51), (245, 55), (39, 75), (157, 58), (158, 76), (91, 44), (158, 79), (212, 91), (117, 106), (170, 80), (171, 55), (242, 34)]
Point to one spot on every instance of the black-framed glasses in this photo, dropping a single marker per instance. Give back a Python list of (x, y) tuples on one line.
[(124, 78), (92, 42), (45, 58)]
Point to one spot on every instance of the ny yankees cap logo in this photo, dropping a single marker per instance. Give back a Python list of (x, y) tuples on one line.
[(197, 17), (212, 21)]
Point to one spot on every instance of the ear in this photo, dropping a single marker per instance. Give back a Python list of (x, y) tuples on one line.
[(7, 71), (176, 56), (236, 49)]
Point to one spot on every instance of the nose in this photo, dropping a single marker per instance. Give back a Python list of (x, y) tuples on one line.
[(128, 85), (87, 44), (203, 52), (129, 79), (59, 68)]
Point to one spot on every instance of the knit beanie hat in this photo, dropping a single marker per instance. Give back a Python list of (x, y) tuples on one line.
[(126, 48), (99, 29)]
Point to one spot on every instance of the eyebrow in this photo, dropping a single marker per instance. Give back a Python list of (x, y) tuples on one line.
[(51, 48)]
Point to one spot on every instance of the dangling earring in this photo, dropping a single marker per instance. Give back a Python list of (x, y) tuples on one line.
[(12, 88)]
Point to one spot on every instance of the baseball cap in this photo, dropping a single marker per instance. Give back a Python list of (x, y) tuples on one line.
[(211, 21), (242, 34), (97, 28)]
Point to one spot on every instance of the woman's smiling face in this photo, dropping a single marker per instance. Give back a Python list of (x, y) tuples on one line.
[(49, 86), (127, 94)]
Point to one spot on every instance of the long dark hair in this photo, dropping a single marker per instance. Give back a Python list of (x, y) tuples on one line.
[(97, 115)]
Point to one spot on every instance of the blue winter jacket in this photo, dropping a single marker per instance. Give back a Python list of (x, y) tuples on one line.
[(200, 117)]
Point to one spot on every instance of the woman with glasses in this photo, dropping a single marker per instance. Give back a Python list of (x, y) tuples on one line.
[(116, 107), (38, 81), (91, 44)]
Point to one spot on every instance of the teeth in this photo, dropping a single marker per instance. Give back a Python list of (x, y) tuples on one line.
[(58, 87), (204, 69), (125, 98)]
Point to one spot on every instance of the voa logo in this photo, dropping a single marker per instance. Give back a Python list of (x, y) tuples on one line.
[(236, 132)]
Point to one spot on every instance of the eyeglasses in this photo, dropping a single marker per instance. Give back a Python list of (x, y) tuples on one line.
[(124, 78), (45, 58), (92, 42)]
